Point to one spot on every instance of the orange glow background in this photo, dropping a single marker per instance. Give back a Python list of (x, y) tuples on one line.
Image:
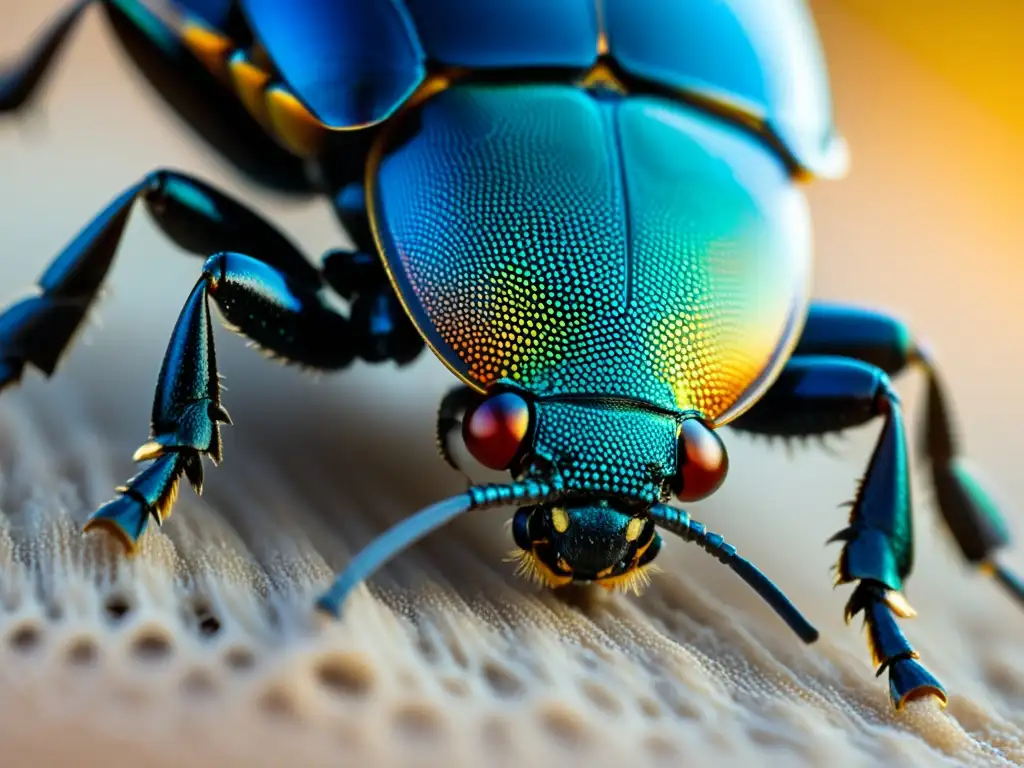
[(928, 224)]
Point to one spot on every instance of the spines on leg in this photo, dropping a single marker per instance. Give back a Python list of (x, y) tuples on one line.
[(187, 411), (150, 494), (880, 538), (281, 314), (455, 403), (817, 394), (187, 414), (967, 507), (890, 649)]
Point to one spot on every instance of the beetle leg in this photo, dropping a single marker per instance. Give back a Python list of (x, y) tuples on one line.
[(818, 394), (283, 316), (350, 207), (966, 507), (20, 80), (380, 326), (188, 57), (39, 328)]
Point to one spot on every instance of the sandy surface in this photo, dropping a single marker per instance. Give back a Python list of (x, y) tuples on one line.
[(205, 648)]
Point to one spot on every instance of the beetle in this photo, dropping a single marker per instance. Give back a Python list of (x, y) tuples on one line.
[(590, 211)]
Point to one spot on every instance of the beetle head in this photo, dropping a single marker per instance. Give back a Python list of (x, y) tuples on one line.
[(585, 541), (614, 458)]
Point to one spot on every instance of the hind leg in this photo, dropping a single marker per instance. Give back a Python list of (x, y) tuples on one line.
[(189, 51), (967, 509), (38, 329), (819, 394)]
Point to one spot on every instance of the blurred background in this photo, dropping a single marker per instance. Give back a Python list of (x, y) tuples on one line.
[(929, 224)]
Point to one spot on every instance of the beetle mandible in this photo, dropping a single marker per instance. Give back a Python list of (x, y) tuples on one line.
[(589, 210)]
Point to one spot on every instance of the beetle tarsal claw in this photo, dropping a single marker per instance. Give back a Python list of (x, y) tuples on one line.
[(898, 604), (150, 450), (219, 413)]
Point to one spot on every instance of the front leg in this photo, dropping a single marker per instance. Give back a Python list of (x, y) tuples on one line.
[(280, 314), (968, 510), (815, 395)]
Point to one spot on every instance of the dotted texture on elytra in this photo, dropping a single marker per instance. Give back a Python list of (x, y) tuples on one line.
[(576, 245)]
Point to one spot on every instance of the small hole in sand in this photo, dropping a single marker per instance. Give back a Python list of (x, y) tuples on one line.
[(427, 650), (25, 638), (151, 645), (564, 725), (458, 653), (497, 734), (456, 687), (206, 622), (649, 707), (117, 606), (198, 683), (349, 735), (209, 626), (278, 703), (766, 737), (660, 748), (420, 722), (501, 680), (83, 652), (239, 658), (345, 674), (685, 710), (681, 707), (602, 698)]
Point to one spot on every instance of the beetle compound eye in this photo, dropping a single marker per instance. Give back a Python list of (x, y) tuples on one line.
[(494, 430), (703, 462)]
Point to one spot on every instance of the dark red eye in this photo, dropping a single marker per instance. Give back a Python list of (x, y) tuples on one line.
[(495, 429), (703, 462)]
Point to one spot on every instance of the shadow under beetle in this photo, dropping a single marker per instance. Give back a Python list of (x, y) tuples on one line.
[(589, 210)]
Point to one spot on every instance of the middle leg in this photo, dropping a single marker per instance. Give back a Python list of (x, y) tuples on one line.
[(968, 510), (815, 395)]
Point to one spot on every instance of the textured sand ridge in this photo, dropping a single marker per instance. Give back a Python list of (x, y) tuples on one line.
[(205, 647)]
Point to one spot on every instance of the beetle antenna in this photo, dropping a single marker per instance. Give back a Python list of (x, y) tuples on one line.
[(678, 522), (404, 534), (1010, 580)]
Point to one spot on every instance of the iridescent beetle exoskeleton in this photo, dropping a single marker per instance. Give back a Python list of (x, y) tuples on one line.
[(591, 211)]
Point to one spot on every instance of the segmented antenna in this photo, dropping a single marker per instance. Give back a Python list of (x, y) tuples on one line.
[(678, 522)]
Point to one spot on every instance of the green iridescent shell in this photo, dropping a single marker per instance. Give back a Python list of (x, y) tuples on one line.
[(590, 244)]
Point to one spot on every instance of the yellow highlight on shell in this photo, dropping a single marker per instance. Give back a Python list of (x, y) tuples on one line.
[(250, 83), (209, 46), (293, 124)]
